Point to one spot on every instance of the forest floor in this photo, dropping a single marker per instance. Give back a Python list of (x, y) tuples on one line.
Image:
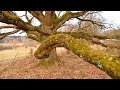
[(70, 66)]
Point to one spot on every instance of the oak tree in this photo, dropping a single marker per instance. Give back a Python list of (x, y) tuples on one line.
[(47, 34)]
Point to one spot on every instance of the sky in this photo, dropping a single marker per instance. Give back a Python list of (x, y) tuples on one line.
[(112, 17)]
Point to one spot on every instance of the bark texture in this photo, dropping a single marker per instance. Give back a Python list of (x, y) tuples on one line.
[(53, 55)]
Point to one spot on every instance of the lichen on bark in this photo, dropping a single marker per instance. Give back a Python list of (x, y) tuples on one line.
[(101, 59)]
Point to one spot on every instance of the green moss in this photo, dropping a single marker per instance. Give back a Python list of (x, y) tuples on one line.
[(57, 20), (32, 36), (47, 62), (107, 62), (12, 17)]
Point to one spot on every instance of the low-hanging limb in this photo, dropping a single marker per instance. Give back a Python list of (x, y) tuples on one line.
[(92, 38), (3, 35), (96, 39), (106, 62), (8, 18)]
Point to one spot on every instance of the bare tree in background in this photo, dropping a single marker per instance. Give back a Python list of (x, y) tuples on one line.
[(49, 37)]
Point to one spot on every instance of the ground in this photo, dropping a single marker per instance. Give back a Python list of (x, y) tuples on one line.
[(70, 67)]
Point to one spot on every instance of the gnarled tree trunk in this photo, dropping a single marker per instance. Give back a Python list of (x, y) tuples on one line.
[(53, 55)]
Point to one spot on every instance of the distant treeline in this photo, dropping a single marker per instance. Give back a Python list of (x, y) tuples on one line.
[(14, 39)]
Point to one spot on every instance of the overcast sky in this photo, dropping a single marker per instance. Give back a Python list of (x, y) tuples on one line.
[(112, 17)]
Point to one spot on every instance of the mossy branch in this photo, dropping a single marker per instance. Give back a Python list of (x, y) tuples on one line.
[(8, 18), (92, 38), (35, 36), (31, 36), (104, 61)]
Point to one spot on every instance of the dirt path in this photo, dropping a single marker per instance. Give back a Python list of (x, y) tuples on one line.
[(70, 67)]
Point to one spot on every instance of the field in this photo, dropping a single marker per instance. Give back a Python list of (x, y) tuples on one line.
[(15, 53), (18, 64)]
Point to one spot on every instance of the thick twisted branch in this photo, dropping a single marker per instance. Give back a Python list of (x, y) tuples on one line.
[(104, 61)]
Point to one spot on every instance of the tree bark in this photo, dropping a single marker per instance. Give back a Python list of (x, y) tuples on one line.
[(53, 55)]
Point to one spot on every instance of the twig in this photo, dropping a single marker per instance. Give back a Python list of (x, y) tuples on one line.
[(15, 56)]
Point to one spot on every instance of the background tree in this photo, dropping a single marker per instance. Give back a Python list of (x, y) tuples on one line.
[(47, 34)]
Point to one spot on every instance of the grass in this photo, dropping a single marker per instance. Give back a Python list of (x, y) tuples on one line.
[(14, 53)]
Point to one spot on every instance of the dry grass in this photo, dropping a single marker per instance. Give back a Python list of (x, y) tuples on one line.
[(70, 67), (15, 53)]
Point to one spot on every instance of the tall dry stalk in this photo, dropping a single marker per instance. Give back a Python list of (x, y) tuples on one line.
[(31, 54)]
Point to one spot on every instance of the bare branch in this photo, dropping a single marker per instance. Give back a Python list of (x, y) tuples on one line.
[(67, 16), (27, 16), (29, 20), (101, 24), (38, 15), (3, 35), (1, 27), (54, 15), (59, 12), (86, 26), (93, 22), (71, 27)]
